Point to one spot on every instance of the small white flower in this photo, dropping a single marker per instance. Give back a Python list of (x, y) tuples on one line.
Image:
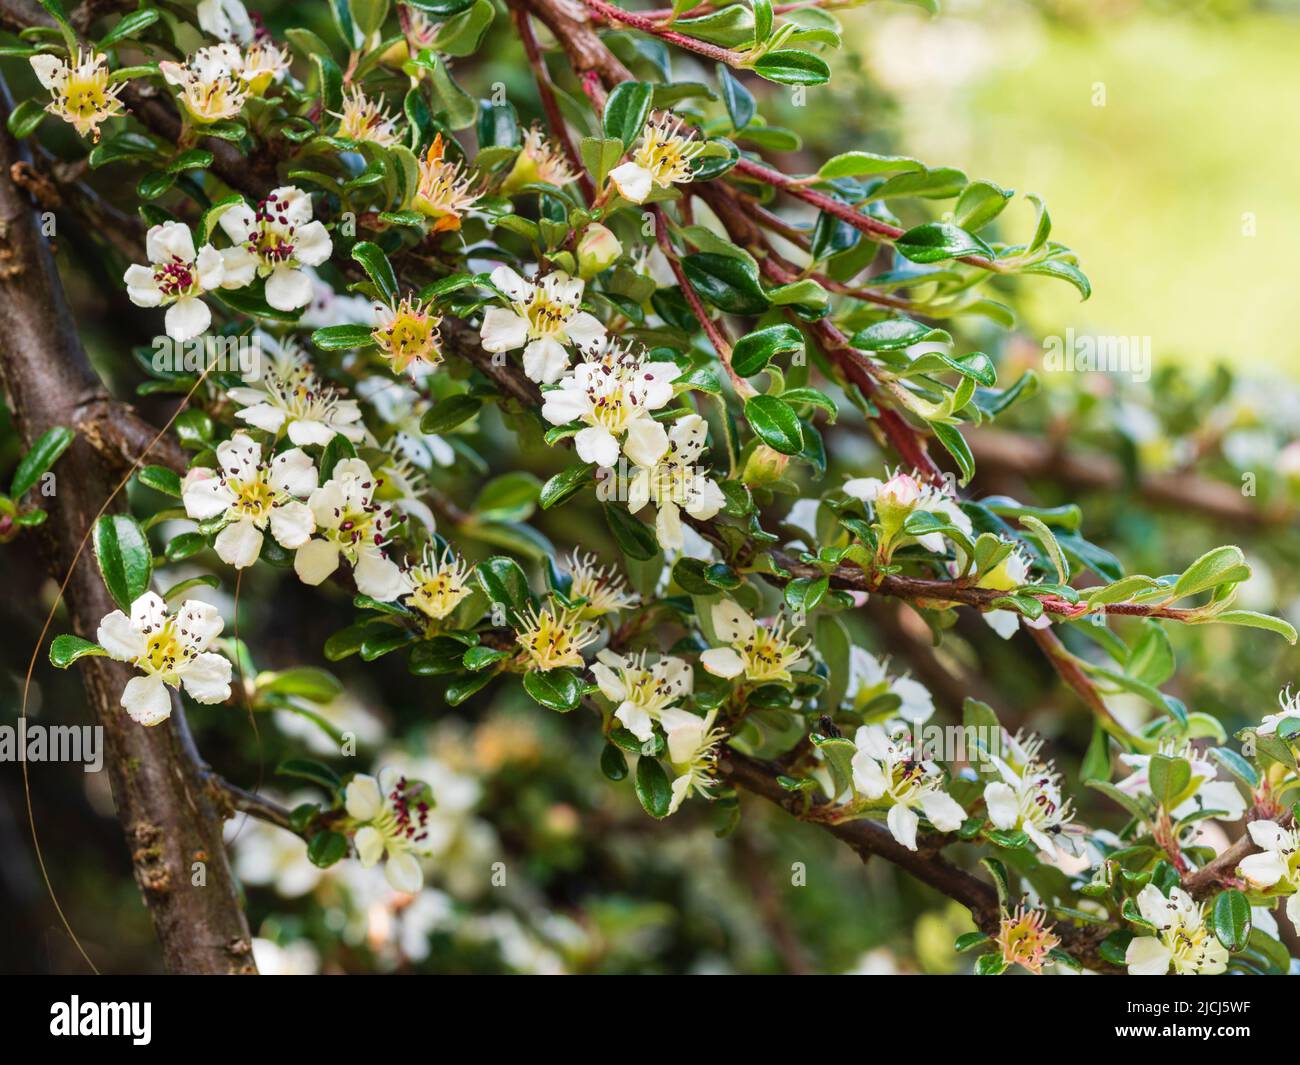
[(275, 241), (363, 119), (438, 584), (393, 815), (543, 317), (251, 494), (226, 20), (1290, 712), (554, 638), (290, 398), (1205, 791), (80, 90), (662, 159), (675, 483), (1028, 798), (352, 525), (211, 90), (642, 686), (602, 588), (1277, 865), (614, 394), (170, 651), (692, 752), (176, 277), (885, 768), (1181, 940), (759, 653), (868, 679)]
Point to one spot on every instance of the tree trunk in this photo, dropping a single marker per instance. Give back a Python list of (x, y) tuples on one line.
[(171, 823)]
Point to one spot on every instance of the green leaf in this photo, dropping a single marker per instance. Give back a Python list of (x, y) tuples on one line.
[(1169, 778), (504, 582), (309, 682), (556, 689), (66, 649), (338, 449), (565, 484), (43, 454), (1254, 620), (510, 497), (1232, 920), (955, 444), (739, 100), (635, 537), (613, 763), (979, 203), (895, 333), (791, 66), (24, 118), (1096, 761), (859, 164), (326, 848), (933, 242), (160, 479), (125, 559), (1062, 270), (600, 156), (343, 337), (652, 787), (1044, 536), (378, 268), (451, 413), (729, 283), (755, 350), (775, 423), (626, 111)]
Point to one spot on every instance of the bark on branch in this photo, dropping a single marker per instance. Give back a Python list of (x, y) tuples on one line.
[(167, 815)]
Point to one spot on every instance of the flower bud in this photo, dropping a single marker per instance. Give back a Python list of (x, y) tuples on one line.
[(897, 498), (597, 249), (764, 466)]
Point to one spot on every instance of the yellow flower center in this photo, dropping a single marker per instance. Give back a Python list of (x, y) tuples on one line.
[(254, 498)]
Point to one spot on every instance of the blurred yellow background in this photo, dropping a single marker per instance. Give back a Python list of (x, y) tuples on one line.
[(1165, 141)]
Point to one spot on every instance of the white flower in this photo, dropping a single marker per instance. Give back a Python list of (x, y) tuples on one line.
[(544, 316), (349, 523), (554, 639), (1028, 797), (170, 651), (642, 686), (443, 192), (211, 90), (759, 653), (80, 90), (868, 680), (363, 119), (408, 336), (259, 65), (598, 249), (663, 158), (885, 769), (1290, 712), (275, 241), (290, 398), (896, 499), (400, 409), (1205, 792), (674, 483), (1278, 863), (1181, 939), (176, 277), (393, 814), (226, 20), (692, 752), (602, 588), (250, 495), (1012, 572), (614, 394), (437, 586)]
